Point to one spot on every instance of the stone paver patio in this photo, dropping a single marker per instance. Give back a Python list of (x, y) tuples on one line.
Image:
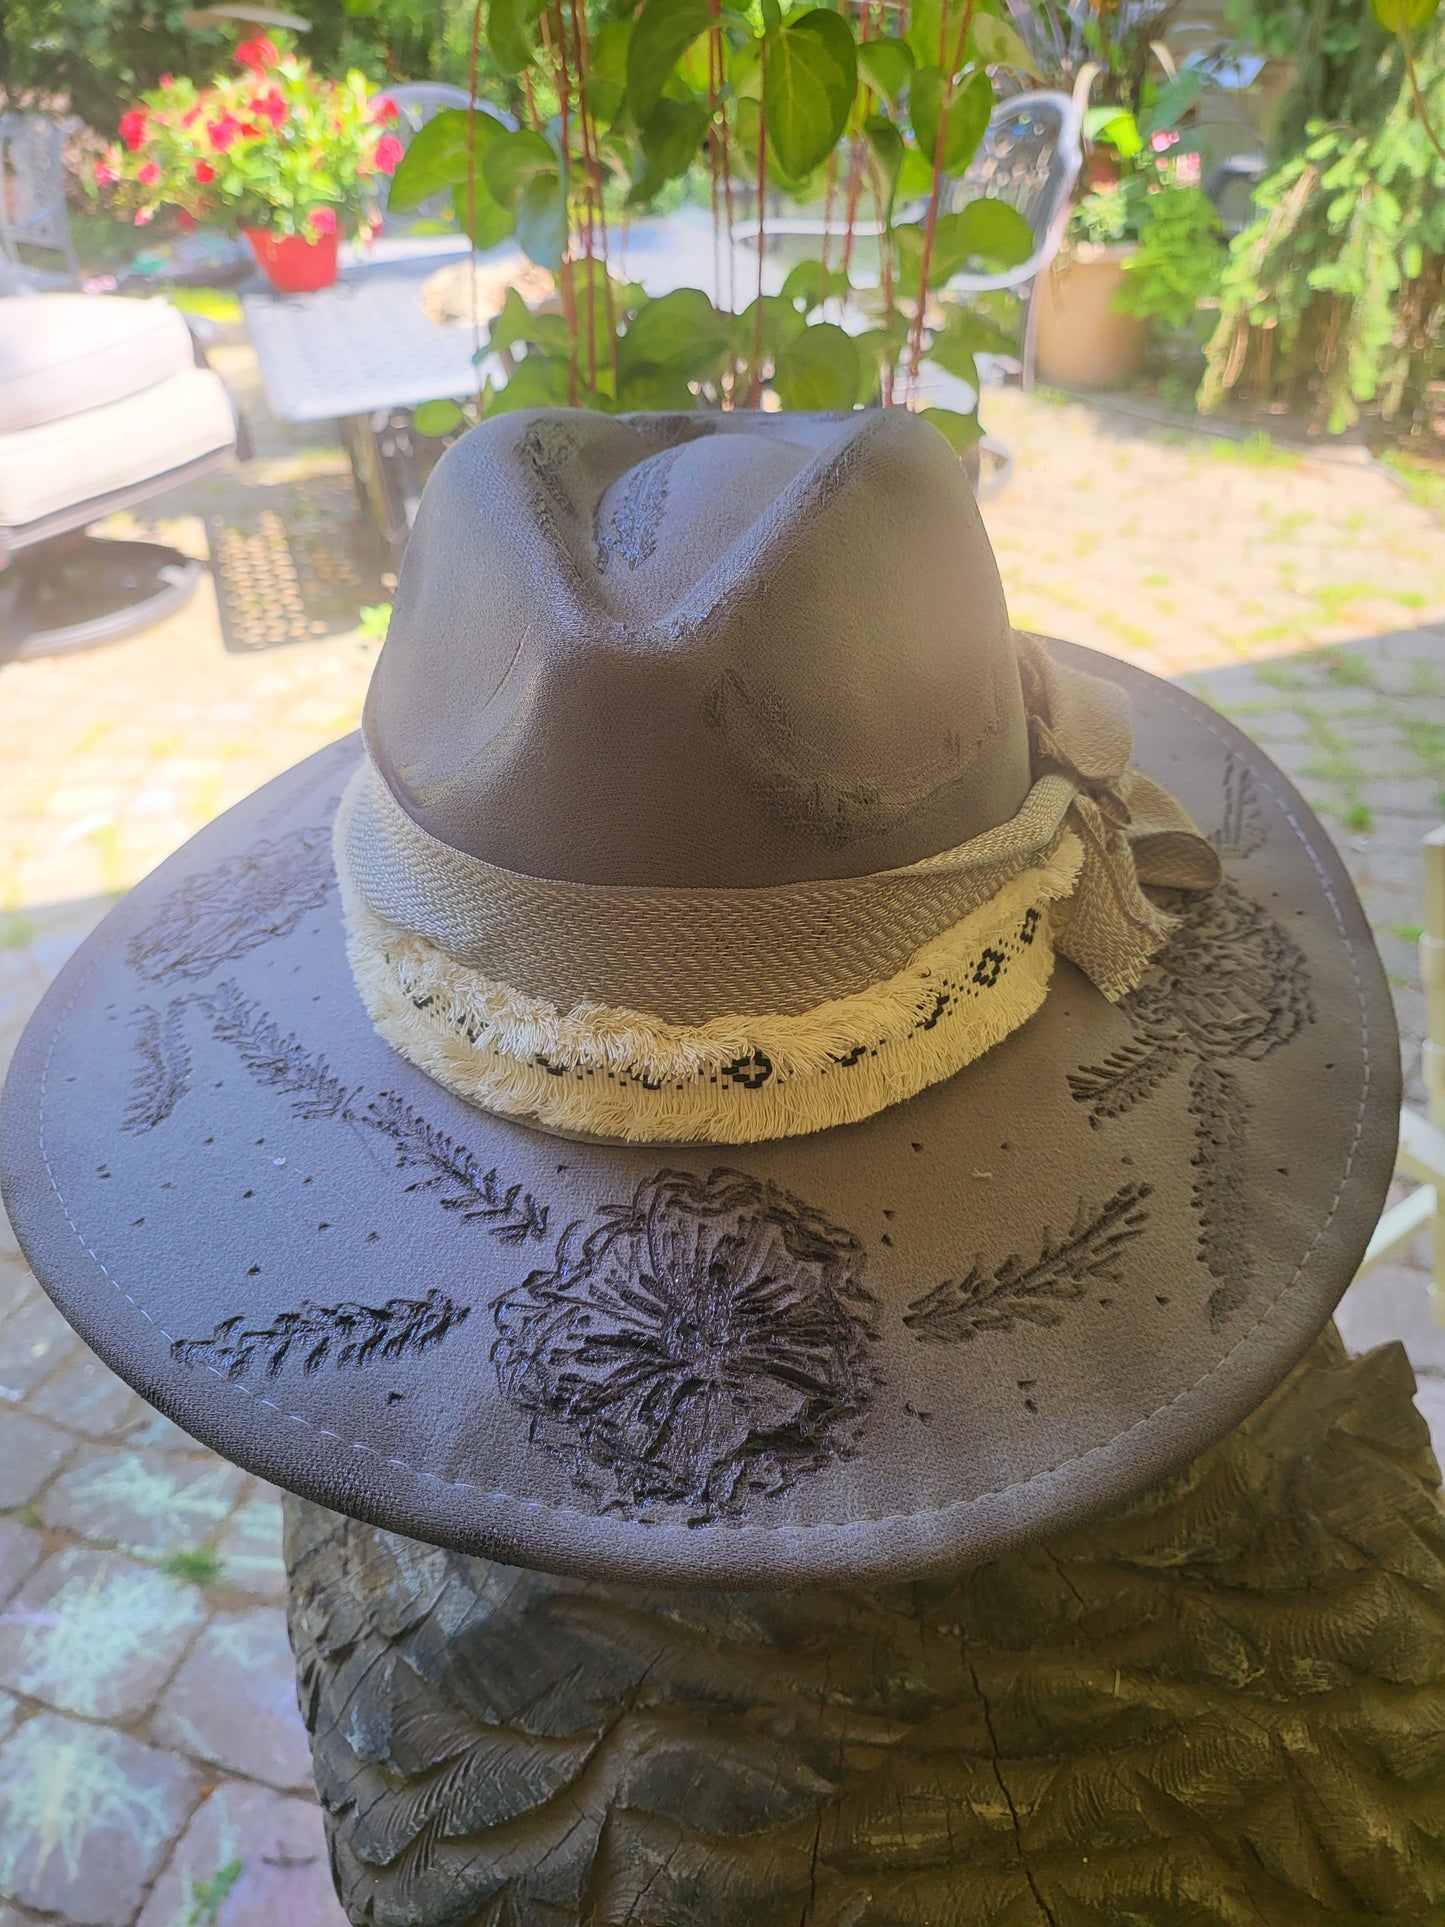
[(153, 1767)]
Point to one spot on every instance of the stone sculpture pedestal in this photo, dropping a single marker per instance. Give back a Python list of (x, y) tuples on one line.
[(1224, 1704)]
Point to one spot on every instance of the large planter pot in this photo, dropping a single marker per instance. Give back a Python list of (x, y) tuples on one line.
[(1082, 340), (293, 263)]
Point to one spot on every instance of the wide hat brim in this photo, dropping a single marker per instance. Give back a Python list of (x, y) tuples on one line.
[(864, 1354)]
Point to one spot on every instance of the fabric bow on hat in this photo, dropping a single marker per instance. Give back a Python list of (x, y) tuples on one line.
[(1133, 831)]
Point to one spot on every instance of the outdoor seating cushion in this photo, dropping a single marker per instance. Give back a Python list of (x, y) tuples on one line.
[(62, 354), (86, 457)]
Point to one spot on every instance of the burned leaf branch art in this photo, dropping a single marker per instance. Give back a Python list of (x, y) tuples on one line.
[(163, 1075), (279, 1060), (347, 1335), (276, 1058), (1230, 987), (451, 1171), (1024, 1291)]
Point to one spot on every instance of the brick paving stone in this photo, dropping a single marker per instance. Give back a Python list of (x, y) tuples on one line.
[(30, 1456), (33, 1341), (268, 1854), (95, 1634), (86, 1817), (16, 1284), (234, 1702), (154, 1504), (152, 1431), (88, 1397), (251, 1547), (20, 1550)]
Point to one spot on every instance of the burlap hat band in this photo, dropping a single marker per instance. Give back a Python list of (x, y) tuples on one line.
[(728, 1016)]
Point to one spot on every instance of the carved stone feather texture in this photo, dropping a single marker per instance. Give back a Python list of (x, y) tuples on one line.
[(1221, 1707)]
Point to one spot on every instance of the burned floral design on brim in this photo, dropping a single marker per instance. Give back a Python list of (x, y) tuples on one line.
[(221, 914), (708, 1342)]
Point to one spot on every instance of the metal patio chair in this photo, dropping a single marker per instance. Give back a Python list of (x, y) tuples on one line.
[(33, 219)]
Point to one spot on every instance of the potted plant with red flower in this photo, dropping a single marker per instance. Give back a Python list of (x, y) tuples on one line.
[(274, 150)]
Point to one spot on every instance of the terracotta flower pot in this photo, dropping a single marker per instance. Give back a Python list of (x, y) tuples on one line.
[(293, 263), (1082, 341)]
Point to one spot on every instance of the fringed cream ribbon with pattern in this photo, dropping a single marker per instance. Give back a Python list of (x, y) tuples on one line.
[(737, 1015)]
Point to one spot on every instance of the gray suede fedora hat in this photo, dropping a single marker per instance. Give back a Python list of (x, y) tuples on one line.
[(748, 1071)]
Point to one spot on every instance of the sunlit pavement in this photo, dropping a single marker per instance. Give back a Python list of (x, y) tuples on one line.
[(153, 1768)]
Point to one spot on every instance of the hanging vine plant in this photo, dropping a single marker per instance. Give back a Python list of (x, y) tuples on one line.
[(873, 119), (1334, 297)]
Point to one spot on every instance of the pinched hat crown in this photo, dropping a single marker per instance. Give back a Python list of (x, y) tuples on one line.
[(710, 794), (700, 651)]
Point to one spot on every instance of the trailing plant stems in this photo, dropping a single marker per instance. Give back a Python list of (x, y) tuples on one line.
[(930, 224), (755, 384), (473, 70), (1416, 94)]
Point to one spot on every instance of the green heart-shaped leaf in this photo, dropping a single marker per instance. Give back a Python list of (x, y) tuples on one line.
[(661, 35), (678, 330), (673, 135), (542, 221), (437, 418), (885, 65), (886, 146), (437, 155), (810, 79), (511, 25), (1404, 16), (998, 45), (479, 217), (967, 116), (514, 159), (960, 431), (821, 368)]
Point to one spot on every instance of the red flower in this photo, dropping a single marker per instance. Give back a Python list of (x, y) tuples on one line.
[(273, 105), (384, 108), (149, 174), (257, 54), (323, 221), (185, 222), (106, 175), (204, 172), (133, 128), (144, 216), (191, 116), (223, 132), (389, 151)]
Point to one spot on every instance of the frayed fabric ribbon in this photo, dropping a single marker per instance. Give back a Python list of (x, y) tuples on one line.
[(882, 985)]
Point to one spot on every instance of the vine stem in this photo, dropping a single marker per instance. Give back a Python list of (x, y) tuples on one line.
[(755, 386), (1417, 95), (592, 198), (473, 64), (556, 48), (930, 223)]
